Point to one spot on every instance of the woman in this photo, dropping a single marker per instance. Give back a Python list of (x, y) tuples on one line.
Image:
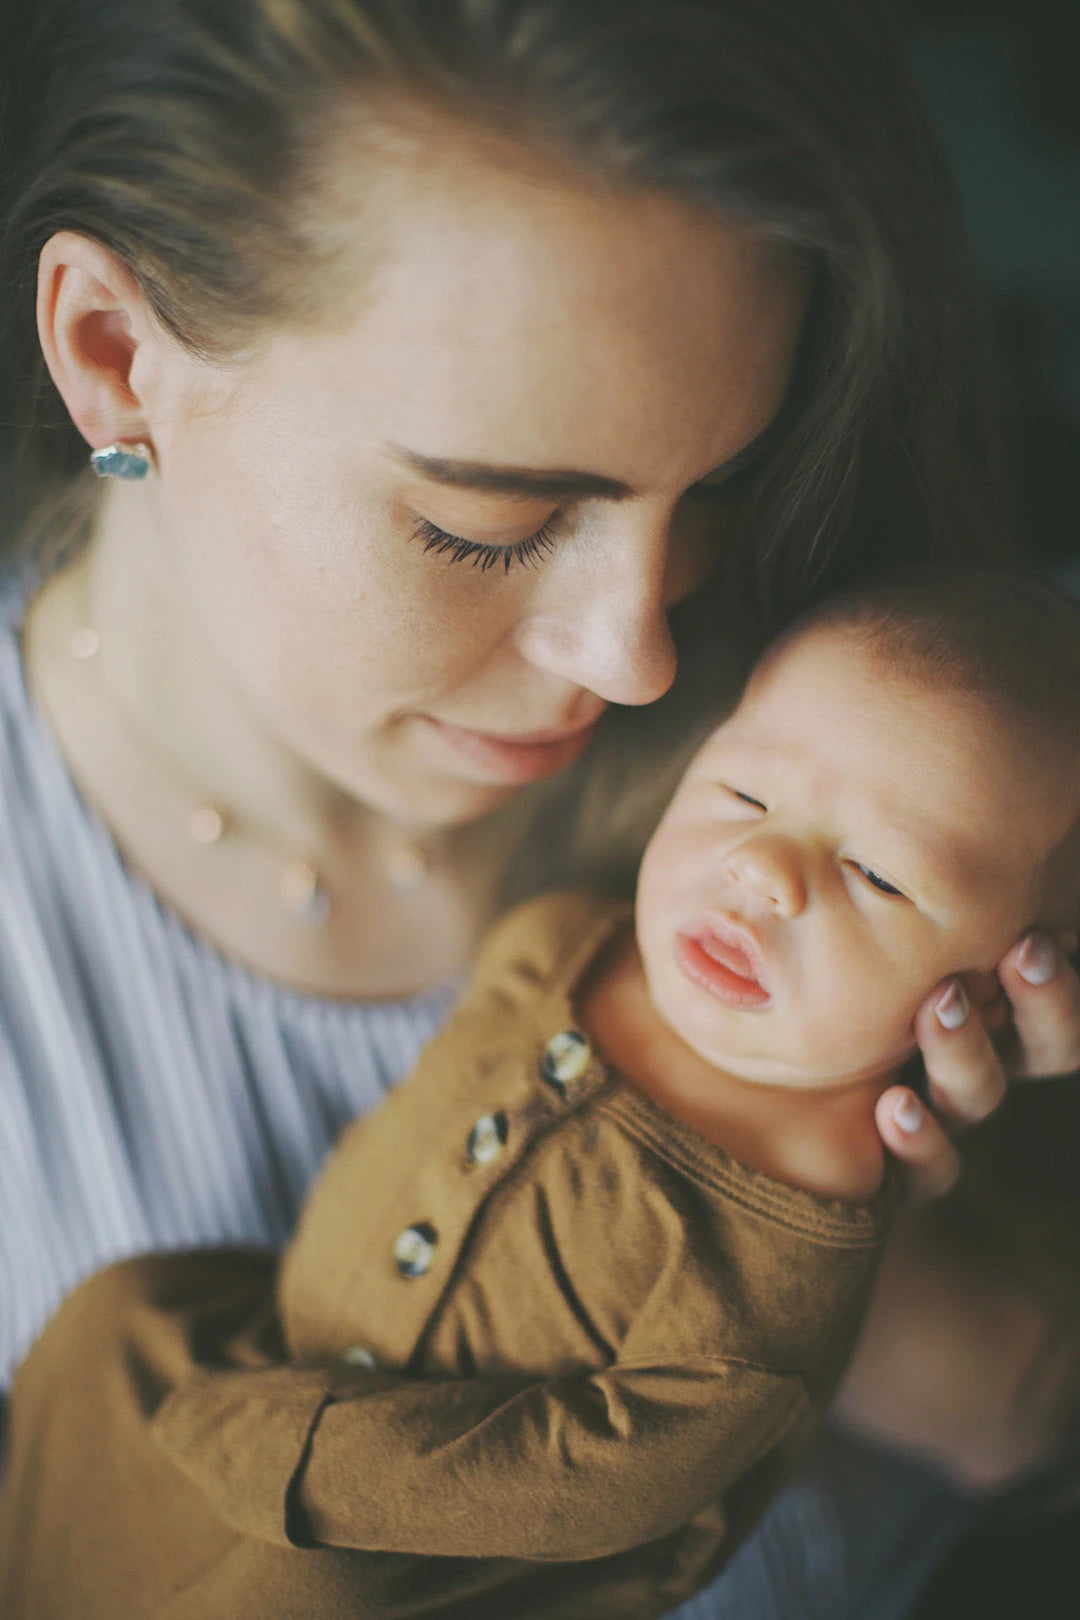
[(502, 368)]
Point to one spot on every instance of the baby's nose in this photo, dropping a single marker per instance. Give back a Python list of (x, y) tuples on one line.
[(769, 868)]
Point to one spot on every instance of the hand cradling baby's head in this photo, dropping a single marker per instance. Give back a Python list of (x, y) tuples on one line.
[(895, 799)]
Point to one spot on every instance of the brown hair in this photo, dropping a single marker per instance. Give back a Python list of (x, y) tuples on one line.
[(185, 134)]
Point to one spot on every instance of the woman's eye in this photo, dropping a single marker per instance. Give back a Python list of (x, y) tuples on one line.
[(456, 548), (882, 885)]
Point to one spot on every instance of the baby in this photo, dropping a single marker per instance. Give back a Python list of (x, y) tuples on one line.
[(560, 1316)]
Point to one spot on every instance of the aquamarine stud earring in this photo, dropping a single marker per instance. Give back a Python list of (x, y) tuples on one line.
[(130, 461)]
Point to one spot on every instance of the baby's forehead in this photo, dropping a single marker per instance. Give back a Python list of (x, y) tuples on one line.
[(836, 697), (837, 665)]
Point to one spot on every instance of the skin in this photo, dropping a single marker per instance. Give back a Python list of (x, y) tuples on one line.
[(267, 611), (819, 868), (865, 836), (237, 591)]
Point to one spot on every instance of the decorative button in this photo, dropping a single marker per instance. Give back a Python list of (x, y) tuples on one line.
[(414, 1249), (565, 1059), (487, 1138), (357, 1356)]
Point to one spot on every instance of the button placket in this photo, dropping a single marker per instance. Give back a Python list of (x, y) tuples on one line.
[(565, 1059), (488, 1138), (358, 1355), (414, 1249)]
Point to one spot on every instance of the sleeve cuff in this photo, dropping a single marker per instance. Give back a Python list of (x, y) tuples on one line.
[(243, 1439)]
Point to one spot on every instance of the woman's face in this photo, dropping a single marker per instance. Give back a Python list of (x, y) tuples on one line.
[(432, 540)]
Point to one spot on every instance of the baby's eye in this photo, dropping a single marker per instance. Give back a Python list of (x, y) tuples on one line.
[(746, 798), (882, 885)]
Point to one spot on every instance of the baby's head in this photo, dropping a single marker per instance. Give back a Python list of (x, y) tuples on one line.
[(895, 799)]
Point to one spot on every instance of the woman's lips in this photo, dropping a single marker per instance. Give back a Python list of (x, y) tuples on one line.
[(515, 759), (722, 965)]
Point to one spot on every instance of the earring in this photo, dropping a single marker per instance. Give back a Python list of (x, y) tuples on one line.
[(130, 461)]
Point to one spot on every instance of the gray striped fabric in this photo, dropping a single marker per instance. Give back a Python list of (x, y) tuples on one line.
[(152, 1093)]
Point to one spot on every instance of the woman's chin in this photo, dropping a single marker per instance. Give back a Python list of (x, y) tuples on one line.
[(439, 802)]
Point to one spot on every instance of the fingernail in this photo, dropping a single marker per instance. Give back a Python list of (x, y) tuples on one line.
[(1036, 960), (952, 1009), (909, 1113)]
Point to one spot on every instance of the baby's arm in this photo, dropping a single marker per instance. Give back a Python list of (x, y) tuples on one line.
[(564, 1469)]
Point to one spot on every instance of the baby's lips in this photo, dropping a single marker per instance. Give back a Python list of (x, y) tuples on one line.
[(718, 959)]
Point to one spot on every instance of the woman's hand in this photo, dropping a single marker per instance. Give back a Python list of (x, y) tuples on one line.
[(952, 1364), (974, 1036)]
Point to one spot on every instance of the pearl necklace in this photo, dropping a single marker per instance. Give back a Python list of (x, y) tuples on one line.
[(301, 887)]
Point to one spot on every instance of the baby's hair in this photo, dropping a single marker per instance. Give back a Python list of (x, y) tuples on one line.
[(1002, 635), (998, 633)]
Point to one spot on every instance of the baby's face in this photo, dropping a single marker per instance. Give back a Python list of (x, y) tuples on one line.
[(846, 840)]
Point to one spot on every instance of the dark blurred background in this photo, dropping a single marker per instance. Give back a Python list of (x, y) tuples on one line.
[(1002, 81)]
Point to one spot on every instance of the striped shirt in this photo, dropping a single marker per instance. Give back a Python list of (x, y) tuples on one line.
[(153, 1093)]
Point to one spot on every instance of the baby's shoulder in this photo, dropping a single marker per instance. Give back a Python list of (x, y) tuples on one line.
[(544, 946)]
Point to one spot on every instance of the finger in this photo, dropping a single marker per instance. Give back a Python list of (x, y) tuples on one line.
[(912, 1134), (1044, 990), (966, 1081)]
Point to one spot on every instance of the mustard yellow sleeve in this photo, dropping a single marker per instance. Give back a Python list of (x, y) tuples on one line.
[(565, 1469)]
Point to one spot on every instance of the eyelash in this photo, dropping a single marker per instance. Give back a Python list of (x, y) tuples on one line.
[(456, 548), (879, 883), (528, 552)]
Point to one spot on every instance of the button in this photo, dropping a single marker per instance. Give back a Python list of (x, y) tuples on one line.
[(487, 1138), (414, 1249), (565, 1059), (357, 1356)]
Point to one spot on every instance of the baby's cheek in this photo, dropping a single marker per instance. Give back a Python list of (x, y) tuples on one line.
[(864, 1029)]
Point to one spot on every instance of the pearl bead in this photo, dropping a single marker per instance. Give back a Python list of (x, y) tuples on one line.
[(300, 891), (206, 825), (407, 866), (84, 644)]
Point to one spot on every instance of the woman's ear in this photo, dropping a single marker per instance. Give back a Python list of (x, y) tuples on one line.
[(92, 319)]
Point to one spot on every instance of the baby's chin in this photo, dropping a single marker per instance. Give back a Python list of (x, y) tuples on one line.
[(822, 1071)]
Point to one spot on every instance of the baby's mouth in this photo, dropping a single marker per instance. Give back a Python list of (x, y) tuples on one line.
[(722, 964)]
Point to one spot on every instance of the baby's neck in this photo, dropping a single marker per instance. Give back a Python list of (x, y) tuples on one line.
[(822, 1140)]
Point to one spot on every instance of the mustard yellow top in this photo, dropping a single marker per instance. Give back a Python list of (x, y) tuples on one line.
[(551, 1353)]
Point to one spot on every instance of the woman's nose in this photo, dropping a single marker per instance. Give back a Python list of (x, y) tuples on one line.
[(768, 868), (606, 628)]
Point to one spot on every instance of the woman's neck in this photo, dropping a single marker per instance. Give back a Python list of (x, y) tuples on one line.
[(153, 725), (170, 679)]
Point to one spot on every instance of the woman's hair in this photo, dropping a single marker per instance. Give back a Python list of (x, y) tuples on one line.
[(191, 137)]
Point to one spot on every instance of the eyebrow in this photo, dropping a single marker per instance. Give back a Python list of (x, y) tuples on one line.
[(557, 483)]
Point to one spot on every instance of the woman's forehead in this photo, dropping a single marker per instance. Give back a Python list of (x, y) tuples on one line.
[(536, 321)]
